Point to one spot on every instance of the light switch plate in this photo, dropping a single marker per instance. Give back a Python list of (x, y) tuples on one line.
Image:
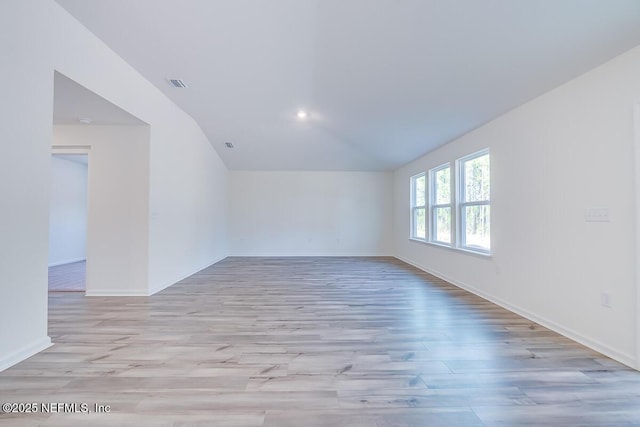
[(597, 215)]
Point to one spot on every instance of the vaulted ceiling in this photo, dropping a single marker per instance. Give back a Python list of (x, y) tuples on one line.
[(383, 81)]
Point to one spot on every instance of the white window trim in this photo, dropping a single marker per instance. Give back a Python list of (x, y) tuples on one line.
[(415, 207), (461, 204), (433, 206)]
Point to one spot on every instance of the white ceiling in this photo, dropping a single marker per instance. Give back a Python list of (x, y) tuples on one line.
[(72, 102), (384, 80)]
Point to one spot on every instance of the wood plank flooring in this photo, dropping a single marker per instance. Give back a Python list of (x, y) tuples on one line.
[(314, 342), (68, 277)]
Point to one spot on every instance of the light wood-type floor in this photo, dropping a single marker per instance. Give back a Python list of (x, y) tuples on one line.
[(68, 277), (314, 342)]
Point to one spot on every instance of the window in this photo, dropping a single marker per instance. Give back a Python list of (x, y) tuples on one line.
[(440, 204), (418, 206), (474, 206), (459, 204)]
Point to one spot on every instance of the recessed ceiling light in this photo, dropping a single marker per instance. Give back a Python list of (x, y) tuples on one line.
[(302, 114), (85, 120)]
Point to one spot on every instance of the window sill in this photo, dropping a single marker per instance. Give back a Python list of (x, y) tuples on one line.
[(484, 255)]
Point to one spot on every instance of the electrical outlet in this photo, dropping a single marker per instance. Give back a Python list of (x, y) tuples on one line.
[(605, 299)]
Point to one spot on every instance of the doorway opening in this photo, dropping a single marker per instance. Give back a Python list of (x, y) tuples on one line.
[(99, 198), (68, 222)]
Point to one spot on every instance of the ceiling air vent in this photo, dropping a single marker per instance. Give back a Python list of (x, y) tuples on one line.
[(177, 83)]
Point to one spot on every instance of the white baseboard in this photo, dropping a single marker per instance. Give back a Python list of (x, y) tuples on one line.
[(171, 282), (116, 293), (68, 261), (24, 353), (307, 254), (594, 344)]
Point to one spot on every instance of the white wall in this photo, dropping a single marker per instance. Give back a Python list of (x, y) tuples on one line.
[(188, 204), (25, 134), (551, 159), (67, 211), (310, 213), (118, 206), (36, 38)]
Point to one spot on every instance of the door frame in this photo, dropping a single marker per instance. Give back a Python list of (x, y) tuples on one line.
[(636, 172)]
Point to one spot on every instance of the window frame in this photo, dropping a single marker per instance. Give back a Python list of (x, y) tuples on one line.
[(433, 206), (415, 207), (462, 204)]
